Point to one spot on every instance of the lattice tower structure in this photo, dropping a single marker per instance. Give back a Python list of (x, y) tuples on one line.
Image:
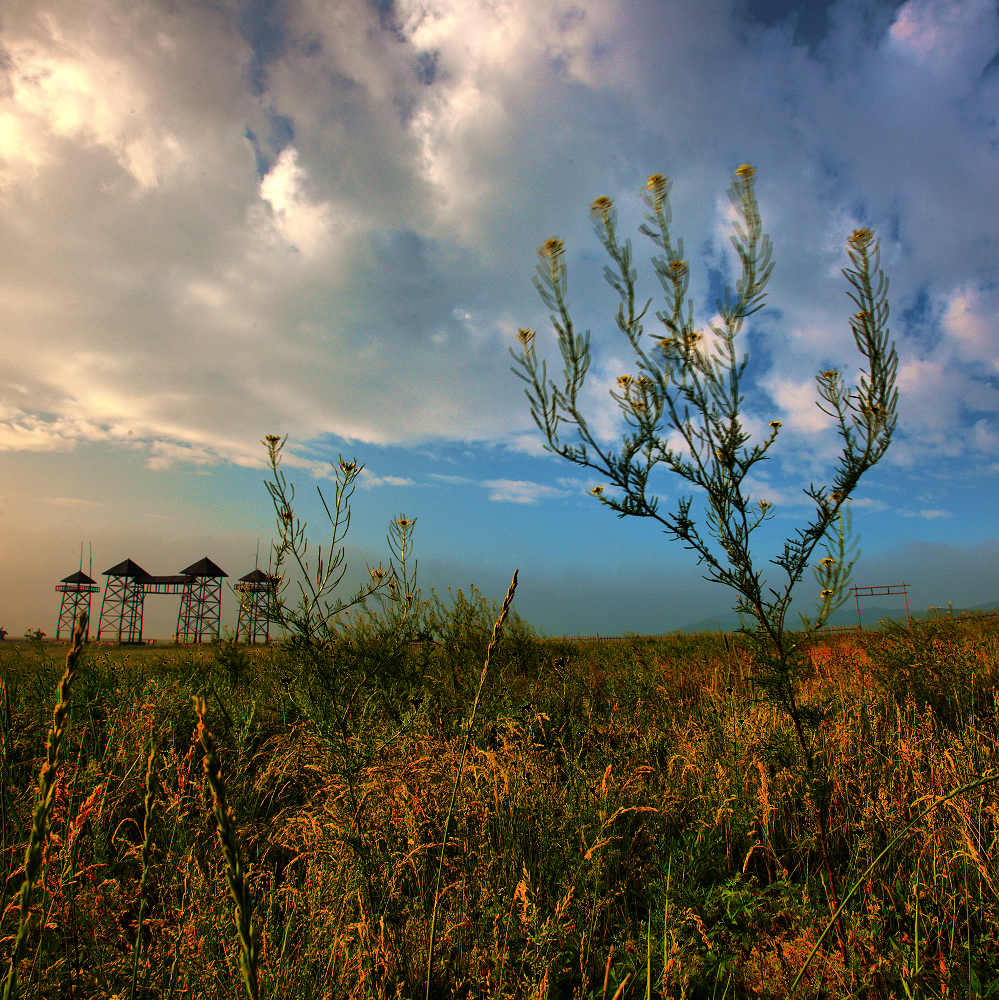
[(256, 606), (121, 605), (77, 590), (199, 618)]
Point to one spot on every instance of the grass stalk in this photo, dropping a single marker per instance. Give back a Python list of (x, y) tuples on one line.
[(493, 643), (249, 945), (46, 792), (4, 749), (146, 845), (977, 783), (183, 910)]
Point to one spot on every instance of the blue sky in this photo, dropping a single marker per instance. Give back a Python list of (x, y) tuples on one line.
[(223, 220)]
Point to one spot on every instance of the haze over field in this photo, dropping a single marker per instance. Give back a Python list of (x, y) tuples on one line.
[(219, 221)]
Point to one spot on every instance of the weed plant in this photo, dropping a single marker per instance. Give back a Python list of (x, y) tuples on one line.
[(684, 393)]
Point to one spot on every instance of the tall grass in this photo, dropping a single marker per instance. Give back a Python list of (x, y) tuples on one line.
[(33, 857), (608, 821), (493, 641)]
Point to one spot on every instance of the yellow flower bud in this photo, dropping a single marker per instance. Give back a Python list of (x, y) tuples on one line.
[(602, 206), (745, 171), (551, 249), (861, 238), (657, 184), (525, 336)]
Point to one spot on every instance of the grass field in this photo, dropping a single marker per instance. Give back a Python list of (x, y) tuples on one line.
[(626, 822)]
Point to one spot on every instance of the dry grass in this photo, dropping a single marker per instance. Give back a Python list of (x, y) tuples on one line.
[(630, 824)]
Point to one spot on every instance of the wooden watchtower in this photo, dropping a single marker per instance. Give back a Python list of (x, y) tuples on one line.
[(256, 606), (121, 606), (77, 590), (199, 618)]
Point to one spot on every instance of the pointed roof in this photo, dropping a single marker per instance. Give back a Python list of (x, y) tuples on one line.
[(126, 568), (204, 567), (78, 577), (256, 576)]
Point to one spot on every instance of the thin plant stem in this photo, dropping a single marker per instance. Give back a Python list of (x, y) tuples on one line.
[(249, 944), (493, 643), (146, 845), (977, 783), (46, 794)]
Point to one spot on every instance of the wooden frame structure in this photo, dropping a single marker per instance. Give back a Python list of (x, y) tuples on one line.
[(257, 591), (77, 590), (199, 615)]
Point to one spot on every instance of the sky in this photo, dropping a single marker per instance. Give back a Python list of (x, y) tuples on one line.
[(224, 220)]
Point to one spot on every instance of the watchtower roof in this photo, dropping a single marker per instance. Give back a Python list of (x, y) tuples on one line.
[(204, 567), (127, 568), (78, 577), (255, 576)]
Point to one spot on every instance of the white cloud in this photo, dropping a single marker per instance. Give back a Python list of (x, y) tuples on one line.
[(21, 431), (305, 224), (969, 320), (797, 405), (574, 484), (948, 38), (149, 290), (166, 454), (452, 480), (71, 502), (929, 514), (368, 480), (984, 437), (520, 491), (869, 503), (527, 444)]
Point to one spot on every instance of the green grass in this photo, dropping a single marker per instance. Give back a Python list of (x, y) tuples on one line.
[(617, 819)]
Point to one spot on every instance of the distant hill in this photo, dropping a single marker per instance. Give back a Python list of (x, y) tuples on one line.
[(870, 616)]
